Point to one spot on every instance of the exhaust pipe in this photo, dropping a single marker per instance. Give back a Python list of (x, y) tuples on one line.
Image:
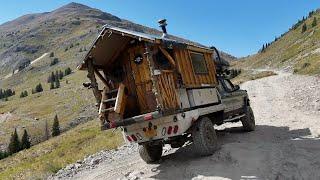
[(163, 24)]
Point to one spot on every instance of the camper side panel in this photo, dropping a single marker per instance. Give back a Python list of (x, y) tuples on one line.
[(190, 77)]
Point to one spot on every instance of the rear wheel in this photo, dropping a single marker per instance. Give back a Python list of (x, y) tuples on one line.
[(150, 153), (248, 121), (204, 136)]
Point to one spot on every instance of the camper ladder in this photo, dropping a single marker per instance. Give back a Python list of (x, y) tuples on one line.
[(112, 104)]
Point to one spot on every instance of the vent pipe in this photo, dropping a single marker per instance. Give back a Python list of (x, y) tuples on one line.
[(163, 24)]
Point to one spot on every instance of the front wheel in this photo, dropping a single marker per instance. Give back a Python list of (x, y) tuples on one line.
[(204, 136), (150, 153), (248, 121)]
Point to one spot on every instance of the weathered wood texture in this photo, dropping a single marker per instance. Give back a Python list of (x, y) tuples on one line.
[(189, 78), (167, 89)]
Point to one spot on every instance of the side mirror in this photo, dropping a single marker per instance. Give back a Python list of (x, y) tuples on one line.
[(236, 88)]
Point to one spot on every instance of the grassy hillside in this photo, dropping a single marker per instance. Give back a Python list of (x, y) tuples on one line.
[(295, 50), (47, 158)]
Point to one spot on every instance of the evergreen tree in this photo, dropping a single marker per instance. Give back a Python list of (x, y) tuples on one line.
[(60, 74), (53, 78), (52, 54), (14, 145), (55, 126), (39, 88), (68, 71), (52, 85), (25, 141), (314, 22), (57, 83), (22, 94), (304, 28)]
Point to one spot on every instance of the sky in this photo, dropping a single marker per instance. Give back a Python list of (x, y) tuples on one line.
[(236, 27)]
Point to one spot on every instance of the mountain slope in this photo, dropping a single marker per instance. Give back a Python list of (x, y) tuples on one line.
[(295, 50)]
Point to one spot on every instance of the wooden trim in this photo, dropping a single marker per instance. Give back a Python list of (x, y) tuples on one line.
[(120, 100), (198, 49), (168, 56), (105, 82), (205, 63), (93, 80)]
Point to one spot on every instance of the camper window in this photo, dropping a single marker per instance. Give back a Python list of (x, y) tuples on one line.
[(198, 63)]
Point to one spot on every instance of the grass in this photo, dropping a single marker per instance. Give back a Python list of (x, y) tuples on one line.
[(48, 157), (248, 75)]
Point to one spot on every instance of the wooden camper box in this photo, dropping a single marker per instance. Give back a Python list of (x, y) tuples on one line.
[(142, 73)]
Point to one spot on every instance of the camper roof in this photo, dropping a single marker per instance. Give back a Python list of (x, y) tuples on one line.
[(111, 41)]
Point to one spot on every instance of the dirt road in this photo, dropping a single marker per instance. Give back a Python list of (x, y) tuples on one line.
[(285, 145)]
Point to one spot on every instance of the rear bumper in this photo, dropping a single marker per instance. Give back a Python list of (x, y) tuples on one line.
[(143, 129)]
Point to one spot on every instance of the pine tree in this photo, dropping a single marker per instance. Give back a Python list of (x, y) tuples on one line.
[(60, 74), (304, 28), (52, 54), (25, 141), (39, 88), (57, 83), (314, 22), (25, 93), (55, 126), (14, 145), (52, 85)]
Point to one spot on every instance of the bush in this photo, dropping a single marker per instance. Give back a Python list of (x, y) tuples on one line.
[(51, 54), (54, 61), (3, 154), (304, 28), (39, 88), (314, 22), (24, 94), (67, 71)]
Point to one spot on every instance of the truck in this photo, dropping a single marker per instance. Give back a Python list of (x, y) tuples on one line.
[(161, 89)]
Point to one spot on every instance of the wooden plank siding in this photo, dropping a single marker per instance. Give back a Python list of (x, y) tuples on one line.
[(185, 68)]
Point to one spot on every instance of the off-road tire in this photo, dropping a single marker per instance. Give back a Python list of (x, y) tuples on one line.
[(205, 141), (150, 153), (248, 121)]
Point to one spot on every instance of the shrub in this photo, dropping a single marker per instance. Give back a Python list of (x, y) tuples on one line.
[(304, 28), (54, 61)]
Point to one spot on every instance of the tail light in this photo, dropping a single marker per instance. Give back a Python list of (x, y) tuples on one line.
[(175, 129), (169, 130), (129, 138), (134, 137), (148, 117)]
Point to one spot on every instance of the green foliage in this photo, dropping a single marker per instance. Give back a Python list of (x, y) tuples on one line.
[(60, 74), (5, 93), (51, 54), (304, 28), (67, 71), (38, 88), (3, 154), (14, 145), (24, 94), (314, 22), (54, 61), (55, 126), (25, 140)]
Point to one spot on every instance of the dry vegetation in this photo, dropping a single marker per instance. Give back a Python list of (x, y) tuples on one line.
[(248, 75), (48, 157)]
